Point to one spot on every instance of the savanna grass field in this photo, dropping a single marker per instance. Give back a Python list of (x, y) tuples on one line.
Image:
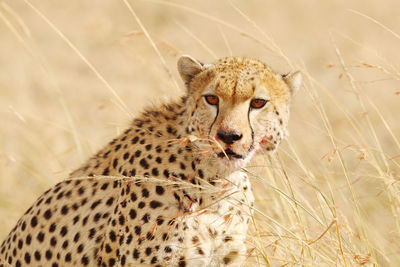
[(74, 73)]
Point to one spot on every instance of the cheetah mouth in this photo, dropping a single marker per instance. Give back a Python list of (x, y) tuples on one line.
[(231, 155)]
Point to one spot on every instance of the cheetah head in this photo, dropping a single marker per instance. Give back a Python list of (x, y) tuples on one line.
[(239, 104)]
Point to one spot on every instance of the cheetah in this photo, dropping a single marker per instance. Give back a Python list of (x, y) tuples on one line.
[(171, 189)]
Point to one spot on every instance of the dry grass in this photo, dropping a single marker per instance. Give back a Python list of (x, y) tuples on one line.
[(74, 72)]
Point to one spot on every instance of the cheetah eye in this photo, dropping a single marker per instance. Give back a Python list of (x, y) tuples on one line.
[(258, 103), (212, 99)]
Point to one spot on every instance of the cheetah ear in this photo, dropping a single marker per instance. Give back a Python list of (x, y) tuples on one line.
[(293, 80), (189, 67)]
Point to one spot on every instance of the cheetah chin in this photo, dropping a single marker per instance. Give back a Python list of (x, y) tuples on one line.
[(230, 159)]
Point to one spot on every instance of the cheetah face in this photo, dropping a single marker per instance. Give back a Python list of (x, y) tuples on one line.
[(239, 105)]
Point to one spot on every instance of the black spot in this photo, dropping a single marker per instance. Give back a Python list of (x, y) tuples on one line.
[(37, 255), (27, 258), (228, 238), (76, 237), (155, 204), (84, 221), (132, 214), (65, 244), (227, 260), (47, 214), (167, 249), (195, 239), (144, 163), (97, 217), (138, 230), (200, 172), (138, 153), (85, 260), (148, 251), (104, 186), (68, 257), (117, 147), (49, 255), (64, 210), (172, 158), (92, 232), (81, 190), (80, 248), (135, 140), (165, 236), (64, 231), (182, 165), (166, 173), (146, 218), (129, 239), (52, 228), (182, 262), (160, 190), (200, 251), (28, 239), (106, 154), (176, 196), (154, 171), (112, 236), (34, 221), (121, 220), (106, 171), (136, 253), (110, 201), (160, 220), (145, 192), (148, 147), (40, 237), (154, 260), (149, 236), (115, 163), (95, 204), (53, 241)]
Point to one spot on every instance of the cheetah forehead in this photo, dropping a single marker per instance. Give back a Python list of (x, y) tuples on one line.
[(237, 78)]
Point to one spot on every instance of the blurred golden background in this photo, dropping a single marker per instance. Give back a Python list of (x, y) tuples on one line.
[(73, 73)]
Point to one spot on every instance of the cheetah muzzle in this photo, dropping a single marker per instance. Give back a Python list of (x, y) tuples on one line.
[(170, 189)]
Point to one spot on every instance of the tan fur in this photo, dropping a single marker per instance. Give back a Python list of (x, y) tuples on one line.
[(176, 195)]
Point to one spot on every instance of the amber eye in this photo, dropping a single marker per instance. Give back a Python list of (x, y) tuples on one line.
[(258, 103), (212, 99)]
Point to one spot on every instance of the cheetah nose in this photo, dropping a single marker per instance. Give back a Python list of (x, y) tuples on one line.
[(229, 137)]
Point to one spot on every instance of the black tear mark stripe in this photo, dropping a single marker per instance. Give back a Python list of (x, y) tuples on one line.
[(215, 119), (251, 128)]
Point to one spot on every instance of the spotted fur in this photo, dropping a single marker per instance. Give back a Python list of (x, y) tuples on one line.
[(169, 190)]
